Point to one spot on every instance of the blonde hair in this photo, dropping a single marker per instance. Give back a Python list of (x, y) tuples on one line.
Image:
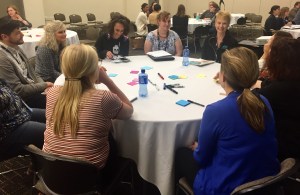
[(78, 64), (240, 67), (49, 39), (224, 15)]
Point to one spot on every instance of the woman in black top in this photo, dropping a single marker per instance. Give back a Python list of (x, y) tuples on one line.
[(115, 42), (216, 44), (13, 13), (283, 93), (180, 22), (272, 22)]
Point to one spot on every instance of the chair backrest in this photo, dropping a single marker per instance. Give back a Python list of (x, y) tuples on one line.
[(152, 27), (75, 18), (270, 184), (92, 33), (249, 16), (257, 18), (63, 175), (59, 16), (91, 17)]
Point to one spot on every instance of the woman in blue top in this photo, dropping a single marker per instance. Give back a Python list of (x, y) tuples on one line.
[(236, 142)]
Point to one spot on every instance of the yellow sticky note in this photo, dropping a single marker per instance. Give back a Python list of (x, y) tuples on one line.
[(182, 76), (201, 75)]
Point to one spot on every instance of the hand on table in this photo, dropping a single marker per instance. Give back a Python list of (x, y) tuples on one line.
[(109, 55)]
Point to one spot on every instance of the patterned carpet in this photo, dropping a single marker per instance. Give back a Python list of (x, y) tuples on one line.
[(13, 176)]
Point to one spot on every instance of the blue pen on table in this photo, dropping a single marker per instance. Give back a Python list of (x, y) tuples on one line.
[(160, 76), (196, 103)]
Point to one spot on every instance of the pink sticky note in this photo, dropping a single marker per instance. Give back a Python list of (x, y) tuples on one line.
[(132, 83), (134, 72)]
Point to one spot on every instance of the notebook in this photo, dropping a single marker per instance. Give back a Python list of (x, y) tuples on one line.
[(160, 55), (201, 63)]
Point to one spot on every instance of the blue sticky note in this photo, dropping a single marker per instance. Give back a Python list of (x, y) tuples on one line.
[(173, 77), (147, 67), (182, 102), (112, 75)]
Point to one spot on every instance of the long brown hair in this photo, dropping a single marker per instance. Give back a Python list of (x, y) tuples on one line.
[(240, 67), (180, 10)]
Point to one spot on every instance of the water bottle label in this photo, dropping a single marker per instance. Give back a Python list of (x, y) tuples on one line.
[(143, 79)]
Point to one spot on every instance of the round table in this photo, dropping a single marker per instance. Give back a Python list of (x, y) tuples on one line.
[(194, 23), (34, 35), (158, 125)]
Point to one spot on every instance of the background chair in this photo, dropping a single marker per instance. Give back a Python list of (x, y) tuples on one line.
[(91, 18), (61, 17), (92, 34), (76, 20)]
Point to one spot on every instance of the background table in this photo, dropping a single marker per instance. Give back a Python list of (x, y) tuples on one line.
[(33, 36), (294, 32), (158, 125)]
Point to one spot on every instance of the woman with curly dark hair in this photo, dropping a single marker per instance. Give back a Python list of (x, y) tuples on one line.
[(115, 42)]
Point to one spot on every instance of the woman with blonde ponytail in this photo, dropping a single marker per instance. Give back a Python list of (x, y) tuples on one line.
[(78, 115), (236, 142)]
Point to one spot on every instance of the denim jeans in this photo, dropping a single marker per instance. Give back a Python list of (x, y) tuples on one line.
[(30, 132)]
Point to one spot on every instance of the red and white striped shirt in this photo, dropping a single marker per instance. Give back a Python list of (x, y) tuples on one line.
[(97, 108)]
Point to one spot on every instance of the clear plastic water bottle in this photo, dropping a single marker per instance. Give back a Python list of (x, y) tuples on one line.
[(185, 55), (143, 81)]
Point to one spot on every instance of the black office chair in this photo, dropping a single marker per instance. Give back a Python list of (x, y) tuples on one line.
[(62, 175), (61, 17), (91, 18), (76, 20), (271, 184), (68, 175), (152, 27), (264, 186)]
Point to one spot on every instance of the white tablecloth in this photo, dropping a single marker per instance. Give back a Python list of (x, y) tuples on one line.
[(33, 36), (159, 126), (294, 32), (235, 17)]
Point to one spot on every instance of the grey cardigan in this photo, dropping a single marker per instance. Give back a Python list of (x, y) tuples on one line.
[(10, 72), (47, 64)]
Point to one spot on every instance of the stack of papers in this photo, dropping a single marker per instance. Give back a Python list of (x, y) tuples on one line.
[(262, 40), (201, 62), (160, 55)]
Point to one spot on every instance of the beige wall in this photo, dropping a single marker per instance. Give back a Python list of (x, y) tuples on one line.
[(131, 8), (36, 17)]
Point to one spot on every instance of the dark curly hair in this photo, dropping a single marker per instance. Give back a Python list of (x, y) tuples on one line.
[(119, 19)]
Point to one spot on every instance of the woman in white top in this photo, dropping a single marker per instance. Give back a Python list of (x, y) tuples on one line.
[(142, 20)]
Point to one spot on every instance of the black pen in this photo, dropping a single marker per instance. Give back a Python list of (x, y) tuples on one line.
[(171, 89), (133, 99), (196, 103)]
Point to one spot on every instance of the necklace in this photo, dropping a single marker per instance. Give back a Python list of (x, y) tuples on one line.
[(159, 41)]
